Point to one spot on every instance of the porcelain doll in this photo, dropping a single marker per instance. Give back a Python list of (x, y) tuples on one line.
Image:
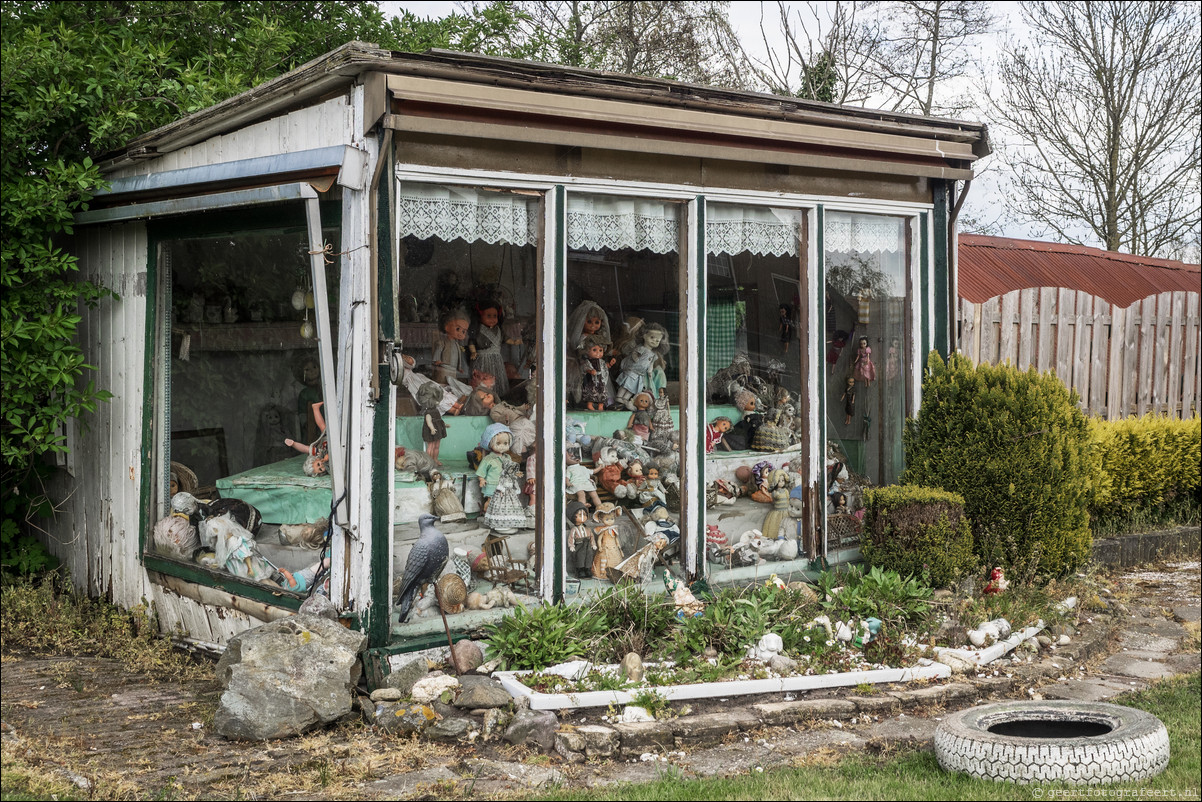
[(444, 501), (659, 524), (609, 469), (863, 368), (838, 501), (780, 483), (434, 429), (588, 319), (849, 400), (651, 489), (609, 552), (496, 441), (714, 432), (447, 351), (317, 459), (893, 359), (582, 543), (580, 482), (505, 513), (643, 365), (795, 528), (520, 426), (632, 481), (531, 489), (484, 347), (479, 401), (640, 419), (661, 418), (595, 392)]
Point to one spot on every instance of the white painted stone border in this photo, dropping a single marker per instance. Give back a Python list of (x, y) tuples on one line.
[(710, 690)]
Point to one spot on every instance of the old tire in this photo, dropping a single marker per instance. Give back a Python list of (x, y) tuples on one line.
[(1136, 745)]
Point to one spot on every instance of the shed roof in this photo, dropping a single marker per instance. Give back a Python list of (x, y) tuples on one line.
[(992, 266)]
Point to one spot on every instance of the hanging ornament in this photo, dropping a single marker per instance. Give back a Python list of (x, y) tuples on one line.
[(309, 299), (307, 330), (298, 299)]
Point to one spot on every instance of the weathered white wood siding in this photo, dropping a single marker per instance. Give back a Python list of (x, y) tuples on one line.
[(319, 126)]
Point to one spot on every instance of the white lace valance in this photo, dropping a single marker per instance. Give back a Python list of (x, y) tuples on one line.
[(757, 229), (450, 213), (864, 233), (596, 222)]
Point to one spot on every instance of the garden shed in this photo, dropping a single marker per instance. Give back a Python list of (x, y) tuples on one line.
[(605, 328)]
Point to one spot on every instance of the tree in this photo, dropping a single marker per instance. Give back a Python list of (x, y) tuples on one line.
[(680, 39), (1103, 108), (80, 79)]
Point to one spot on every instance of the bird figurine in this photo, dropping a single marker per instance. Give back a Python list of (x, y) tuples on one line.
[(425, 563)]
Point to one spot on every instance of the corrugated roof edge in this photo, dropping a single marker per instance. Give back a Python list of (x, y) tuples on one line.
[(345, 63)]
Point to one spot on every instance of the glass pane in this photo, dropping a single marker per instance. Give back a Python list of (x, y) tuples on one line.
[(755, 478), (466, 453), (866, 346), (623, 385), (244, 406)]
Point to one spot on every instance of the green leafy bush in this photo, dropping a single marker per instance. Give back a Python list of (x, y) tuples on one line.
[(917, 531), (1149, 468), (533, 638), (878, 594), (1016, 447)]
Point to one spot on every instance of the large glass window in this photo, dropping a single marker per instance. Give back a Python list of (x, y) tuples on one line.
[(248, 484), (756, 395), (867, 336), (622, 379), (468, 308)]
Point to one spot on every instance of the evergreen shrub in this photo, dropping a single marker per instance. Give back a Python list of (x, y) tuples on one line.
[(1149, 466), (1016, 447), (917, 531)]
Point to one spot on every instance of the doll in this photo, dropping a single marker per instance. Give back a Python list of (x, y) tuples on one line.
[(659, 524), (317, 460), (651, 489), (661, 419), (595, 392), (588, 319), (609, 552), (496, 440), (531, 488), (640, 419), (863, 368), (434, 429), (718, 427), (785, 326), (837, 343), (513, 348), (580, 481), (742, 434), (634, 479), (444, 501), (479, 401), (838, 501), (849, 400), (893, 359), (760, 473), (582, 543), (447, 351), (609, 469), (520, 427), (505, 512), (484, 347), (780, 482), (643, 365)]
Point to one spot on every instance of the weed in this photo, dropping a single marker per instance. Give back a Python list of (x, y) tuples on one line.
[(866, 689), (653, 702)]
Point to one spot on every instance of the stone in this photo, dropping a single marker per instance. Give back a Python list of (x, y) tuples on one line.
[(483, 696), (599, 740), (466, 656), (631, 667), (453, 730), (489, 667), (1127, 666), (1044, 641), (959, 662), (386, 695), (1063, 640), (634, 714), (782, 664), (428, 689), (807, 592), (407, 675), (495, 720), (404, 719), (287, 677), (570, 746), (535, 727), (320, 606)]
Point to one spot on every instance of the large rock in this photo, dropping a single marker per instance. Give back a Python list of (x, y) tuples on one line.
[(404, 719), (533, 726), (467, 656), (404, 678), (287, 677), (483, 696)]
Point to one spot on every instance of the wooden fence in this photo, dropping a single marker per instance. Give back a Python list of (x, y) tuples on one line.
[(1121, 361)]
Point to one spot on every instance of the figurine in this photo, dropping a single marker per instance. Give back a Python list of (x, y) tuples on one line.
[(640, 419), (643, 365), (609, 469), (609, 553), (429, 396), (893, 359), (785, 327), (588, 319), (582, 543), (759, 477), (317, 460), (595, 391), (687, 605), (520, 427), (575, 435), (660, 525), (505, 512), (484, 347), (780, 483), (580, 481), (997, 582), (531, 487), (742, 434), (661, 420), (651, 489), (714, 432), (444, 501), (838, 503), (447, 349), (837, 343), (849, 400), (863, 368), (479, 401), (496, 440)]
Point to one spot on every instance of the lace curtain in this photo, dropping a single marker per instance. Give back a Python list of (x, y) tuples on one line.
[(864, 233), (757, 229), (450, 213), (597, 222)]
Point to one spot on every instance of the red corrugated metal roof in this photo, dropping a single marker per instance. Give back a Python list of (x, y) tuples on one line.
[(992, 266)]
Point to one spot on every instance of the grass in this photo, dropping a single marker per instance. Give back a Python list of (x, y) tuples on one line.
[(916, 775)]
